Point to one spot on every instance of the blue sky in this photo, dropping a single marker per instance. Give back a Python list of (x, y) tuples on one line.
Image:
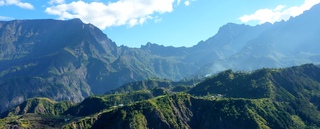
[(167, 22)]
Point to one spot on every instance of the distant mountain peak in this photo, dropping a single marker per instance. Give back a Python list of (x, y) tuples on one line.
[(150, 45), (232, 28), (76, 20), (157, 47)]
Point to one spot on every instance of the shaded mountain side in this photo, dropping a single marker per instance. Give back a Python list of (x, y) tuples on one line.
[(25, 39), (185, 111), (230, 39), (279, 45), (40, 60), (72, 56), (40, 106), (165, 51), (144, 64), (17, 90)]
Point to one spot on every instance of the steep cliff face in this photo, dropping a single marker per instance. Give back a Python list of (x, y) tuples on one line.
[(16, 91), (51, 58), (22, 39), (70, 60)]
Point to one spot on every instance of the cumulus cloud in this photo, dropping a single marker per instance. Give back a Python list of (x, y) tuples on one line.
[(279, 7), (122, 12), (279, 13), (118, 13), (187, 3), (16, 3)]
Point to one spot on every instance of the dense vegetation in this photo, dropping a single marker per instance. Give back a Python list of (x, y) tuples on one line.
[(183, 85), (40, 106), (265, 98), (185, 111), (103, 102)]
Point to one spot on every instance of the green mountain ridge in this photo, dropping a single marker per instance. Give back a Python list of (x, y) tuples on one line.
[(184, 111), (265, 98), (40, 106), (109, 101), (154, 83), (270, 98)]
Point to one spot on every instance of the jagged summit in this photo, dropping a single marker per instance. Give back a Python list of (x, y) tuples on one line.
[(76, 20)]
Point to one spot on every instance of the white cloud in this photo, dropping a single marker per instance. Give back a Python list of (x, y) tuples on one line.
[(16, 3), (157, 19), (2, 2), (279, 7), (133, 22), (187, 3), (178, 2), (122, 12), (279, 13), (4, 18), (56, 2)]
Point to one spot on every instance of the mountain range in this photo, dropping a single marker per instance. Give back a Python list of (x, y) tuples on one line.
[(70, 60)]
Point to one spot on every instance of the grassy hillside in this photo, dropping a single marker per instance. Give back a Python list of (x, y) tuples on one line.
[(265, 98), (36, 113), (185, 111), (150, 84), (40, 106), (104, 102)]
